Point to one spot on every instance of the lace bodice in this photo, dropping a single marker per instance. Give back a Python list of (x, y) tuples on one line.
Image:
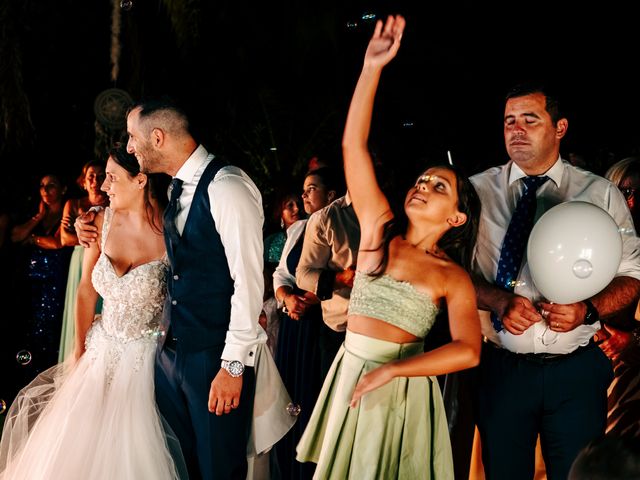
[(133, 302)]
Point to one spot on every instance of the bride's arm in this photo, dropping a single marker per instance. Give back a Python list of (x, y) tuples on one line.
[(87, 297)]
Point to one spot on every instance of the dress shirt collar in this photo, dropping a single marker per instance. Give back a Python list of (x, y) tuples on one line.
[(554, 173), (190, 167)]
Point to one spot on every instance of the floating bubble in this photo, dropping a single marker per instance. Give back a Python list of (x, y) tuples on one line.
[(293, 409), (23, 357), (3, 406), (408, 124), (368, 17), (126, 5), (352, 25)]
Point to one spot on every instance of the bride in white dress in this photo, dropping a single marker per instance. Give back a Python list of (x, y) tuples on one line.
[(95, 417)]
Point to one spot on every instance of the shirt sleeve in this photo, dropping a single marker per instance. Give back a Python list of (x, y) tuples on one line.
[(236, 207), (618, 209), (281, 275), (311, 274)]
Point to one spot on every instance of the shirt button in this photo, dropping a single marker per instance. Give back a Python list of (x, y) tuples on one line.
[(176, 277), (174, 302)]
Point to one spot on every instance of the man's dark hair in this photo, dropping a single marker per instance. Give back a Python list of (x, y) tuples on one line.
[(551, 101), (166, 110), (610, 457)]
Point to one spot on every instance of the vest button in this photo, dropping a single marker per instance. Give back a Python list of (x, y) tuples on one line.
[(174, 302), (176, 277)]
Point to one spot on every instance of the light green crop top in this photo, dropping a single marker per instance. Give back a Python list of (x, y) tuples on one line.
[(395, 302)]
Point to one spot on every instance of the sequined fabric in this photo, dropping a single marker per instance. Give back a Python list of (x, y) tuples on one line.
[(47, 274), (394, 302)]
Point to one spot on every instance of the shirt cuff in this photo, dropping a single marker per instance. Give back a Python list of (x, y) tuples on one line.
[(326, 282), (246, 354)]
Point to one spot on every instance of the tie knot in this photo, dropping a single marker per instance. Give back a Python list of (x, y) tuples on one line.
[(175, 189), (532, 183)]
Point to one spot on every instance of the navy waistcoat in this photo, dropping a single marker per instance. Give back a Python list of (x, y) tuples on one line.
[(198, 307)]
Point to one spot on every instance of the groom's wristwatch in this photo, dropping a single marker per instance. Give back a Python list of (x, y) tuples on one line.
[(233, 367)]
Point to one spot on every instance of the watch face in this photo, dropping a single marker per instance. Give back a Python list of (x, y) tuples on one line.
[(235, 368)]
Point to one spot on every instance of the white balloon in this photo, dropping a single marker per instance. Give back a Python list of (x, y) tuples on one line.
[(573, 252)]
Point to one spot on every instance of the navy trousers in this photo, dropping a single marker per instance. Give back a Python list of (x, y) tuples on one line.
[(563, 398), (214, 447)]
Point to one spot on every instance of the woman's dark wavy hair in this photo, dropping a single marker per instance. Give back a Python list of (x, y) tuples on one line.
[(156, 187), (457, 242)]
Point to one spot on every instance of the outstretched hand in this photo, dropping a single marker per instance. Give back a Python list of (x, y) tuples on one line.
[(385, 42), (376, 378)]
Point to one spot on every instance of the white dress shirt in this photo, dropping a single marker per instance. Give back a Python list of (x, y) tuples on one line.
[(236, 208), (281, 276), (499, 191)]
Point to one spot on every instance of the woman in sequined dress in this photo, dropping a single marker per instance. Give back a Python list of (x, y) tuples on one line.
[(46, 263), (94, 416)]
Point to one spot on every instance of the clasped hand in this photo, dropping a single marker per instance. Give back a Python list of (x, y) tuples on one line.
[(519, 314)]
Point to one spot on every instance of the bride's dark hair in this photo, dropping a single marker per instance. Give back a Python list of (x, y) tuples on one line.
[(156, 187)]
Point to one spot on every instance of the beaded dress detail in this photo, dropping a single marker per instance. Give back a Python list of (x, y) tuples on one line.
[(84, 420)]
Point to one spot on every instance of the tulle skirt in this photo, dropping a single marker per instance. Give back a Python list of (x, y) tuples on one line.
[(397, 431), (93, 419)]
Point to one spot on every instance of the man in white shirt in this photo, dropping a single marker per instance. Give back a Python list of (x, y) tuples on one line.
[(204, 379), (540, 372)]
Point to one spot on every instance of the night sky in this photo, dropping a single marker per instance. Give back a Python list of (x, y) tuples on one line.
[(255, 77)]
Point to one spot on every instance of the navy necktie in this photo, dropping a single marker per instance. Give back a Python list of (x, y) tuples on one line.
[(175, 189), (515, 240)]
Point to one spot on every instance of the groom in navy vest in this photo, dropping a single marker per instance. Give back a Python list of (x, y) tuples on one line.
[(213, 231)]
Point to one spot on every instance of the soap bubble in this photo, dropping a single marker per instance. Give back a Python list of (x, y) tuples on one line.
[(23, 357)]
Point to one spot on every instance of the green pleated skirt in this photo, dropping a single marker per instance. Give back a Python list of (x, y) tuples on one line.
[(397, 431)]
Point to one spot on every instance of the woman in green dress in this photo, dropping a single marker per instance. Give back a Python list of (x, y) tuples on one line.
[(89, 180), (380, 413)]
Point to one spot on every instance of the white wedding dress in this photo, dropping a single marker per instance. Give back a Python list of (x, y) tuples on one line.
[(97, 418)]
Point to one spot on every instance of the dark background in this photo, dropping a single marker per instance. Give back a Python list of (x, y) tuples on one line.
[(268, 85), (280, 74)]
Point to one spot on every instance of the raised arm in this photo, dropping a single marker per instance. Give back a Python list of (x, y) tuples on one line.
[(21, 232), (370, 204), (68, 235)]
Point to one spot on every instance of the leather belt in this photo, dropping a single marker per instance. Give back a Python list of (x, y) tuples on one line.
[(542, 358)]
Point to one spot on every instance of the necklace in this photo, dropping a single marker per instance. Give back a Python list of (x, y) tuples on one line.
[(435, 252)]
